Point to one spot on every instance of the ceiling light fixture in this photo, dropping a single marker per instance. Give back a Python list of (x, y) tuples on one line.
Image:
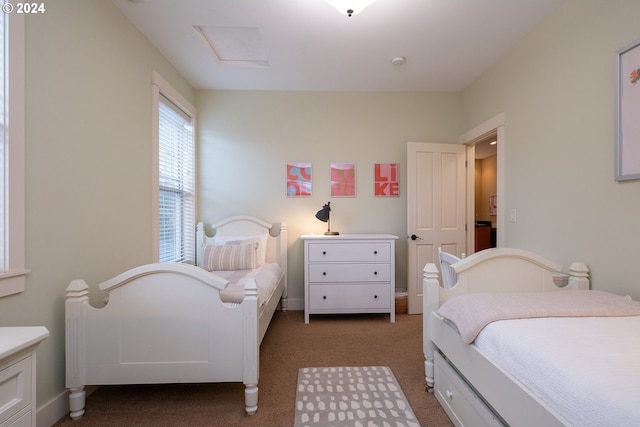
[(350, 7)]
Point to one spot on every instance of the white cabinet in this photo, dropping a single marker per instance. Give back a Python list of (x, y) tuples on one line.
[(18, 374), (349, 273)]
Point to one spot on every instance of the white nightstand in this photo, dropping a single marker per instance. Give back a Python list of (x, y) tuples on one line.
[(18, 374), (349, 273)]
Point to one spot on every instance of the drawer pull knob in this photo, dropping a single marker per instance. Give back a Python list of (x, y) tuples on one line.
[(375, 297), (375, 273), (324, 273), (324, 297), (324, 252), (449, 394), (375, 252)]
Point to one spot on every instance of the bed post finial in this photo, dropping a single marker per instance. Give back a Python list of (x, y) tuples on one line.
[(578, 276)]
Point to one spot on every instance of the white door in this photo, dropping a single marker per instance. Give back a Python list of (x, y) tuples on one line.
[(436, 209)]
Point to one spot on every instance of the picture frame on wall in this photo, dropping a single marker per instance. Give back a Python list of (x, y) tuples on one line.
[(386, 181), (628, 113), (343, 179), (299, 179)]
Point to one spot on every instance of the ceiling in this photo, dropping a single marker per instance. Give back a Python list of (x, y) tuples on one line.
[(306, 45)]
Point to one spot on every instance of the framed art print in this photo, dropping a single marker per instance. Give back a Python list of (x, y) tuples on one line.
[(298, 179), (493, 205), (628, 114), (386, 180), (343, 179)]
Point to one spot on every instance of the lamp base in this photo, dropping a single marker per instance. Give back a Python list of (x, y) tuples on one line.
[(331, 233)]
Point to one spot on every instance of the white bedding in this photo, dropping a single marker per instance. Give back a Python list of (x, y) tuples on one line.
[(267, 278), (472, 312), (562, 356)]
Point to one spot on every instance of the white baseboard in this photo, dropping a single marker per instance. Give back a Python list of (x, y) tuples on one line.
[(295, 304), (52, 411)]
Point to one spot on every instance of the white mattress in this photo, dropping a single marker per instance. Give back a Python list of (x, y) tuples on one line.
[(587, 370), (267, 278)]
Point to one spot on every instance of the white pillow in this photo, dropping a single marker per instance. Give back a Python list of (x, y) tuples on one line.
[(261, 239), (230, 257)]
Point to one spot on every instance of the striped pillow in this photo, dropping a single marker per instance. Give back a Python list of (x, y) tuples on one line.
[(230, 257)]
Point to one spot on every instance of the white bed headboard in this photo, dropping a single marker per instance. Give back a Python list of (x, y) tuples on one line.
[(245, 225), (513, 270), (494, 270)]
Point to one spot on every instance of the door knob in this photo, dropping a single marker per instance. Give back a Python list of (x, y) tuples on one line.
[(414, 237)]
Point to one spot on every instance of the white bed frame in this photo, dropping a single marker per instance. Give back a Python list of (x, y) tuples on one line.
[(472, 390), (166, 323)]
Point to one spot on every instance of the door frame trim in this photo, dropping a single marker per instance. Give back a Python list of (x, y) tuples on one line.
[(495, 124)]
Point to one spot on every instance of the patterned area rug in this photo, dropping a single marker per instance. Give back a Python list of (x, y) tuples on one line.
[(364, 396)]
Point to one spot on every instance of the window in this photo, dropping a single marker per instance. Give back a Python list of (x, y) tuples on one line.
[(175, 166), (12, 182)]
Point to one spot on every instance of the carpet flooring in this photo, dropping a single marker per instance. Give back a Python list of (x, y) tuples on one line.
[(290, 344)]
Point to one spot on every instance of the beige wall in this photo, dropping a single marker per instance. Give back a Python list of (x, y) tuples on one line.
[(556, 89), (88, 163), (246, 139)]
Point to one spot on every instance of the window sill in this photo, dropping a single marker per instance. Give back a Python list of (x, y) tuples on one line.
[(12, 282)]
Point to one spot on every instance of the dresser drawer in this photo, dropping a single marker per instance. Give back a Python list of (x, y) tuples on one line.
[(15, 388), (349, 297), (461, 403), (345, 272), (358, 252)]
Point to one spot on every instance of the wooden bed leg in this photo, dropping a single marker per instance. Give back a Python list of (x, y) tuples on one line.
[(430, 303), (77, 397), (251, 398), (76, 296), (251, 350), (429, 370)]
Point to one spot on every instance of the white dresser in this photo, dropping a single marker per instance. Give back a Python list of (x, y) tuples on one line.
[(18, 374), (349, 273)]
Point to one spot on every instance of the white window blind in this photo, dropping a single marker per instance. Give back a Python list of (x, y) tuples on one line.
[(176, 170)]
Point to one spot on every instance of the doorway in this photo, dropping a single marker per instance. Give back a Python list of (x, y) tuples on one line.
[(484, 226), (479, 139)]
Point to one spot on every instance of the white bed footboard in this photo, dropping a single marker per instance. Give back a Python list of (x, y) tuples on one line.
[(164, 323)]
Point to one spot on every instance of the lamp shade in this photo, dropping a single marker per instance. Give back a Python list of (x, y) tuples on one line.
[(324, 216), (350, 7)]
